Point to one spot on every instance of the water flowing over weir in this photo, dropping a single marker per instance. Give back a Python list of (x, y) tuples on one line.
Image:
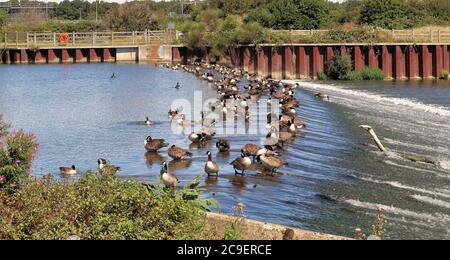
[(335, 178), (411, 120)]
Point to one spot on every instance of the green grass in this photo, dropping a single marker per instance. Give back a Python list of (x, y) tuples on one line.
[(444, 75), (98, 207)]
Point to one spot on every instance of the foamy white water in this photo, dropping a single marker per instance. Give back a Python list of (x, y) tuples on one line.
[(415, 105)]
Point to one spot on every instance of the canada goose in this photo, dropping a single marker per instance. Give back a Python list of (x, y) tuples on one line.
[(209, 122), (183, 122), (223, 145), (147, 121), (178, 86), (271, 163), (322, 96), (68, 170), (284, 137), (169, 179), (251, 149), (178, 153), (267, 150), (105, 168), (153, 145), (242, 163), (174, 114), (196, 137), (211, 167)]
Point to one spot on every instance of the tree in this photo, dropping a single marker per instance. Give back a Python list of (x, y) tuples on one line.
[(389, 14), (293, 14), (133, 16), (3, 19)]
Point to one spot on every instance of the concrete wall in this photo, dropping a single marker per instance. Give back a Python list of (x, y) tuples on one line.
[(127, 54)]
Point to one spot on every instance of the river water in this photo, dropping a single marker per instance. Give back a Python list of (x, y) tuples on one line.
[(335, 178)]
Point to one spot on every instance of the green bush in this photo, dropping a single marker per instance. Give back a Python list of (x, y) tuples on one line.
[(17, 151), (340, 67), (101, 208), (353, 75), (321, 76), (444, 75), (372, 74)]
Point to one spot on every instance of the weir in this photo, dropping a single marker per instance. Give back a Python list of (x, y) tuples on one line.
[(305, 61), (293, 61), (88, 54)]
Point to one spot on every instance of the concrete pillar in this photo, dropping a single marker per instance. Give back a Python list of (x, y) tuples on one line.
[(289, 63), (426, 63), (359, 62), (386, 58), (439, 61), (23, 56), (400, 63), (276, 68), (373, 61), (413, 57)]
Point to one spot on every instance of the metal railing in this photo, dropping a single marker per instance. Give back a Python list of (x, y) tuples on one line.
[(431, 35), (79, 39)]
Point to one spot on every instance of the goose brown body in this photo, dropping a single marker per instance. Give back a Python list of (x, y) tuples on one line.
[(178, 153)]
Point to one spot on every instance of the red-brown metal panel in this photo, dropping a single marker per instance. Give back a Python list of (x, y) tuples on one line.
[(426, 62), (400, 64), (65, 56), (373, 60), (93, 56), (413, 58), (289, 66), (358, 59), (263, 62), (446, 57), (176, 55), (386, 62), (23, 56), (439, 60)]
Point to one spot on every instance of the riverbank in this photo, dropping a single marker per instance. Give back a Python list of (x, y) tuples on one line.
[(258, 230)]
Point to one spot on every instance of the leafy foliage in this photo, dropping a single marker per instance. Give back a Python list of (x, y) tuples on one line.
[(17, 151), (97, 207), (340, 67), (444, 75), (3, 19)]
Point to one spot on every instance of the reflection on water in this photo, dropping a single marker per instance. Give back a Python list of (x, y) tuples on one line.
[(334, 179)]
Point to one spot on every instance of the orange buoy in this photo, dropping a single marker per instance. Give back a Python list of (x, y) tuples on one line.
[(64, 38)]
